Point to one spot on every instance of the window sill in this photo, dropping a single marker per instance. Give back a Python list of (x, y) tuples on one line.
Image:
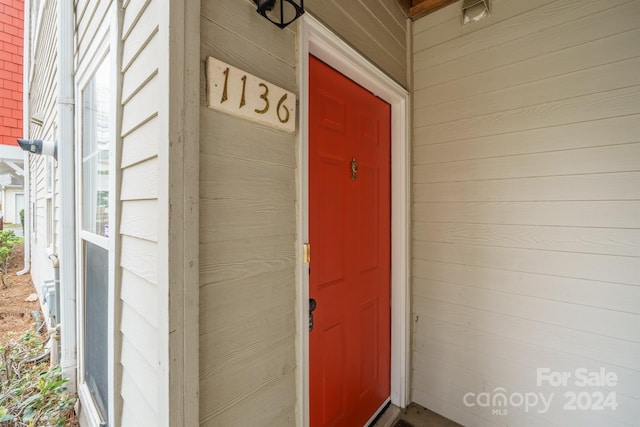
[(87, 412)]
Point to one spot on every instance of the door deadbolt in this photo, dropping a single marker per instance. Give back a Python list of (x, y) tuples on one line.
[(312, 306)]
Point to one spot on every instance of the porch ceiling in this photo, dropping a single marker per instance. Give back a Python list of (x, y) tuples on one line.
[(418, 8)]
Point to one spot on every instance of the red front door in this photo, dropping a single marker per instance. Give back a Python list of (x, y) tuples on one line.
[(349, 227)]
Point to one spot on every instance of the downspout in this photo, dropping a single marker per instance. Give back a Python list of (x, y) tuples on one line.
[(66, 141), (26, 65)]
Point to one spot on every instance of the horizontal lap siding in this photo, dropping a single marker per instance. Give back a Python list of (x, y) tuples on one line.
[(140, 318), (247, 235), (248, 210), (375, 28), (43, 95), (88, 24), (526, 236)]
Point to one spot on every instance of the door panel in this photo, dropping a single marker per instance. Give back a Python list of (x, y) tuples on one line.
[(330, 217), (368, 183), (334, 360), (349, 228)]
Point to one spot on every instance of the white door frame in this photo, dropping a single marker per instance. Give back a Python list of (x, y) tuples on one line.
[(317, 40)]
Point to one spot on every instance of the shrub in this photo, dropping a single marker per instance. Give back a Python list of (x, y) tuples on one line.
[(7, 240), (32, 393)]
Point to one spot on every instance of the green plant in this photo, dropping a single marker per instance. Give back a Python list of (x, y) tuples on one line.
[(32, 393), (7, 240), (22, 217)]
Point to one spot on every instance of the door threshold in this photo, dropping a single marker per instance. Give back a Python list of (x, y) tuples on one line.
[(381, 414)]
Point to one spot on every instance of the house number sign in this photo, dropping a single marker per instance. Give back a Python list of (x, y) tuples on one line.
[(236, 92)]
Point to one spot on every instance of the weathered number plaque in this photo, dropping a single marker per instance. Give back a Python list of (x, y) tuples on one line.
[(242, 94)]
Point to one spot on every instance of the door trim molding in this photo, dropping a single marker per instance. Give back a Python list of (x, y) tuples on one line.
[(317, 40)]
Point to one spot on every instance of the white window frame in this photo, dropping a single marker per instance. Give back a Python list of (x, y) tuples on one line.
[(103, 53), (49, 204)]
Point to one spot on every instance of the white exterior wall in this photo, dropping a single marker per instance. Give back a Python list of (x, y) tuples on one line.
[(156, 284), (42, 81), (141, 392), (141, 355), (526, 233)]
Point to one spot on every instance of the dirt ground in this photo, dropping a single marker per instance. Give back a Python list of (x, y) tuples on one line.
[(15, 312)]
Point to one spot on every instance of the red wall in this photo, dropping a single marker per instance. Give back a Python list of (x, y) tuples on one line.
[(11, 43)]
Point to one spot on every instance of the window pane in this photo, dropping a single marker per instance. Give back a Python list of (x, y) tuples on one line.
[(95, 153), (96, 286)]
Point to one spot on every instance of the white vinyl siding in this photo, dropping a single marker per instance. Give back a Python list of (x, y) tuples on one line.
[(139, 323), (88, 22), (141, 374), (526, 213), (44, 83), (139, 355)]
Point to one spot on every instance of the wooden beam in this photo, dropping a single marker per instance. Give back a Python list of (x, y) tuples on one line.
[(420, 8)]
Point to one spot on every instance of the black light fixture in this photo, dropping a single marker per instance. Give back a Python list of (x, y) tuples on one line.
[(285, 12)]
